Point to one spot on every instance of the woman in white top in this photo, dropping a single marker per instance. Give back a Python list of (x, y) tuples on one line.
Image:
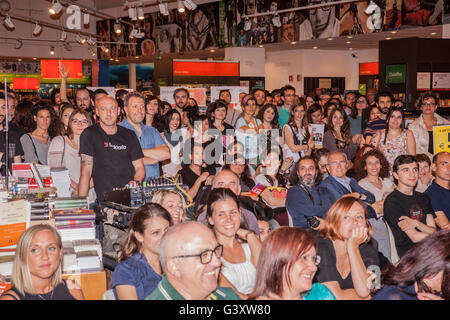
[(241, 247), (63, 150), (372, 173), (298, 134)]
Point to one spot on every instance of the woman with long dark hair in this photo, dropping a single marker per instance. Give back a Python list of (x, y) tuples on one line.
[(356, 113), (268, 115), (422, 273), (173, 136), (297, 134), (36, 142), (139, 271), (153, 113), (286, 267), (395, 140)]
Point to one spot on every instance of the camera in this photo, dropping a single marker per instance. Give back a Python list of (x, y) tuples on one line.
[(313, 222)]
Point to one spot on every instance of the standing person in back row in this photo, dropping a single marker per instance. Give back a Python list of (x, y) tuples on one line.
[(180, 96), (408, 213), (152, 144), (111, 154), (288, 98)]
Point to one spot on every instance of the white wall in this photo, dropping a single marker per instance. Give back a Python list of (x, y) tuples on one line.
[(251, 60), (315, 63), (41, 49)]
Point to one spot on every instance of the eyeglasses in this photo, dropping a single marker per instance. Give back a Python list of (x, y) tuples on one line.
[(315, 2), (361, 101), (77, 122), (313, 259), (205, 256), (428, 104)]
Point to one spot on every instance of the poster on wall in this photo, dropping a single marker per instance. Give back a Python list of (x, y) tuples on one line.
[(144, 76), (441, 81), (234, 90), (227, 23), (423, 81), (395, 73), (199, 94), (422, 13), (119, 75), (393, 15)]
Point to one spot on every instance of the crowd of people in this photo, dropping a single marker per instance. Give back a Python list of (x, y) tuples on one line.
[(266, 214)]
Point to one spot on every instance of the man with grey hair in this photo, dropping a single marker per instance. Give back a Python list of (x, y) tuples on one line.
[(190, 259), (152, 144), (230, 180)]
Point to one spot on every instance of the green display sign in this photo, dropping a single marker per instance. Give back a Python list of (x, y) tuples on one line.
[(395, 73)]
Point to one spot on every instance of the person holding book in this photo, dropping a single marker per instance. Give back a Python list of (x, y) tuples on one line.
[(139, 271), (37, 268)]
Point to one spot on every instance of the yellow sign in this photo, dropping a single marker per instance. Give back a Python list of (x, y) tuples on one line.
[(441, 138)]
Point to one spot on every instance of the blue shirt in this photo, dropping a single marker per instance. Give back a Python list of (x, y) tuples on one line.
[(135, 271), (345, 181), (283, 116), (300, 206), (439, 197), (319, 292), (150, 138), (396, 293)]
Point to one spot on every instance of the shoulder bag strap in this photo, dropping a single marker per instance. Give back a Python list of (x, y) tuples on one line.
[(34, 147), (64, 150)]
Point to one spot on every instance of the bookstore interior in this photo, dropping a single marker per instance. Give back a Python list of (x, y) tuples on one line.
[(206, 46)]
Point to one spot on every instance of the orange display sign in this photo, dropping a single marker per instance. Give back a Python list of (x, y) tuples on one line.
[(370, 68), (50, 68), (206, 68), (11, 233), (26, 83)]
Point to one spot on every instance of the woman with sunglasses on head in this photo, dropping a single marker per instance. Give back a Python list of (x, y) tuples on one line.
[(139, 271), (241, 247), (394, 140), (286, 267), (63, 150), (343, 245)]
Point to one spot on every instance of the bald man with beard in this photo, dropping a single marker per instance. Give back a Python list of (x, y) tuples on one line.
[(190, 259)]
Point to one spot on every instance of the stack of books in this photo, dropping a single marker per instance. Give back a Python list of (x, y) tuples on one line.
[(81, 256)]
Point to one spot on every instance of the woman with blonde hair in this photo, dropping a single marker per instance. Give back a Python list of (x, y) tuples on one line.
[(174, 202), (286, 267), (343, 245), (37, 268), (139, 271)]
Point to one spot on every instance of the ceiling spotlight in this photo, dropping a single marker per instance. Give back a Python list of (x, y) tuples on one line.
[(18, 44), (276, 21), (140, 12), (117, 27), (132, 13), (52, 50), (80, 39), (63, 36), (37, 29), (180, 6), (92, 52), (104, 48), (190, 4), (56, 7), (86, 18), (67, 46), (164, 8), (8, 22), (90, 41)]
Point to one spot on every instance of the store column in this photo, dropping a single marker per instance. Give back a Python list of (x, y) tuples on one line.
[(132, 76)]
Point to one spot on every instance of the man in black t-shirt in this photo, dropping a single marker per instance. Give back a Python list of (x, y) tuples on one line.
[(110, 154), (408, 213), (15, 147)]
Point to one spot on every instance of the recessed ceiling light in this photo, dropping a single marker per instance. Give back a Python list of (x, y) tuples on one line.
[(212, 50), (315, 47), (393, 32), (350, 48), (330, 39), (19, 59), (137, 57), (433, 33), (350, 37), (293, 42), (388, 38), (34, 58), (348, 42), (261, 46), (117, 60)]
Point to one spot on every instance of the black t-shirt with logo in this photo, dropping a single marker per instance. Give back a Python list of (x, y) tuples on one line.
[(112, 156), (398, 204)]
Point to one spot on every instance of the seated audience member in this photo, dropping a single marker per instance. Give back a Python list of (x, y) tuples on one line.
[(197, 173), (345, 252), (36, 142), (37, 268), (240, 246), (240, 167), (372, 173), (439, 190), (383, 102), (303, 200), (175, 139), (297, 134), (190, 260), (328, 108), (425, 172), (314, 114), (264, 226), (356, 114), (218, 115), (321, 158), (139, 272), (421, 273), (63, 150), (338, 184), (228, 179), (173, 201), (286, 268), (408, 213), (422, 127), (394, 140), (268, 115), (338, 136)]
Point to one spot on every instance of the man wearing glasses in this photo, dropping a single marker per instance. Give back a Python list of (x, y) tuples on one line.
[(190, 259), (422, 127), (321, 22)]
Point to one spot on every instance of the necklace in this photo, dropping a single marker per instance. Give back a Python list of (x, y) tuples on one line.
[(51, 296)]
